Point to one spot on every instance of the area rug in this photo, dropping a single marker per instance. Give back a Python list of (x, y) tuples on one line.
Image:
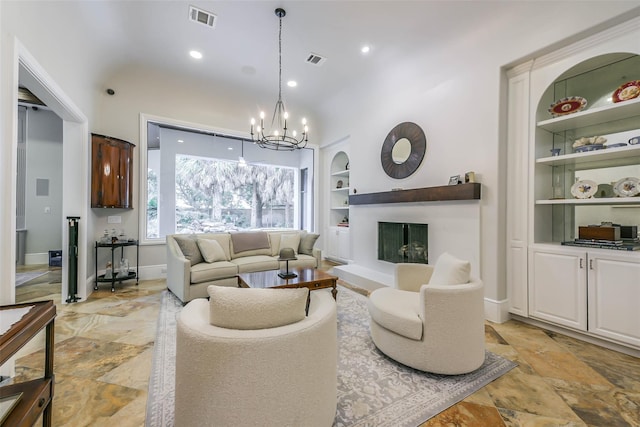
[(22, 278), (373, 390)]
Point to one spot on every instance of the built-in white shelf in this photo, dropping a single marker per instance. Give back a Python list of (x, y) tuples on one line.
[(592, 201), (346, 207), (341, 189), (609, 157), (593, 116), (341, 173)]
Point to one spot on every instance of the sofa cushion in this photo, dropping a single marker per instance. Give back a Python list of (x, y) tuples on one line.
[(242, 308), (205, 272), (249, 241), (189, 248), (249, 244), (276, 236), (223, 238), (307, 240), (397, 311), (302, 261), (274, 240), (290, 240), (211, 250), (450, 270), (254, 263)]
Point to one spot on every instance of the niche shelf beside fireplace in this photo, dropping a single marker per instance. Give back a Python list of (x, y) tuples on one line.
[(469, 191)]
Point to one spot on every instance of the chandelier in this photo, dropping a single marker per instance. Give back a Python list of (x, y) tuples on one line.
[(280, 137)]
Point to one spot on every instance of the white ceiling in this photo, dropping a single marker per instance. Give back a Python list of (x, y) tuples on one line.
[(241, 52)]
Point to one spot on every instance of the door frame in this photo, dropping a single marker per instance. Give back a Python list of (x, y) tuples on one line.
[(19, 66)]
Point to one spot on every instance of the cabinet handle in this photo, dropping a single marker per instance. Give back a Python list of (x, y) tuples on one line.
[(590, 264), (581, 266)]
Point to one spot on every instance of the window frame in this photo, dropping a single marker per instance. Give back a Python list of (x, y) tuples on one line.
[(145, 118)]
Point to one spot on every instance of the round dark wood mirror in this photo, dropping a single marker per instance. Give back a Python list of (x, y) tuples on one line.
[(403, 150)]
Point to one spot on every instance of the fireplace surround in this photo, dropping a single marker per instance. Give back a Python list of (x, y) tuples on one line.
[(401, 242)]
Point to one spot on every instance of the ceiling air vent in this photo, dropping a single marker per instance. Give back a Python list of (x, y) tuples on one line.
[(315, 59), (202, 16)]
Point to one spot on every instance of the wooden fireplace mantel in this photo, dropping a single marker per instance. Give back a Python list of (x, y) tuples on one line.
[(469, 191)]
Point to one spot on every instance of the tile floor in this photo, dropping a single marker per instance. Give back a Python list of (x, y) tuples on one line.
[(104, 349)]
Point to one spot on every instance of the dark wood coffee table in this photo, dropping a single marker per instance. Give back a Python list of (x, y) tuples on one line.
[(310, 278)]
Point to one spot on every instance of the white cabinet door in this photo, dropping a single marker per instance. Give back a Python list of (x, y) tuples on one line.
[(614, 296), (338, 244), (558, 288), (332, 242), (344, 245)]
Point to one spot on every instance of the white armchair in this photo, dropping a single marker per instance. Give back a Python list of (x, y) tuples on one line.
[(435, 327), (274, 376)]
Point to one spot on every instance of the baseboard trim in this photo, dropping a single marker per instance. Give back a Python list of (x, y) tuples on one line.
[(36, 258), (496, 311), (579, 336)]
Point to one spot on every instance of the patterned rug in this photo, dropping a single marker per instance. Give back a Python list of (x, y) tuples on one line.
[(373, 390)]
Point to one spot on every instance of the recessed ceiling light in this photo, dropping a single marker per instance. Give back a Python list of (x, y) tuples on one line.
[(195, 54), (292, 83), (230, 148), (365, 49), (180, 141)]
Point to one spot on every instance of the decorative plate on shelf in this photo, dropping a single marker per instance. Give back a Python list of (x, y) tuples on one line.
[(590, 147), (584, 189), (627, 187), (569, 105), (627, 91), (616, 144)]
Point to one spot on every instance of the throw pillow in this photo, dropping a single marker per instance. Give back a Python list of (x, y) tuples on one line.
[(450, 270), (211, 250), (307, 240), (250, 241), (189, 248), (290, 241), (256, 308)]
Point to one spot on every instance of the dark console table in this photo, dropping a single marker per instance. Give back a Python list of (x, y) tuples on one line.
[(114, 279)]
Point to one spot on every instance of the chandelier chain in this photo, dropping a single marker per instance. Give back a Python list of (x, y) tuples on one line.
[(280, 61)]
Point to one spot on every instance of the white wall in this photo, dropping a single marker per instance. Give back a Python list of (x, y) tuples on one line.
[(456, 94), (58, 67), (44, 157)]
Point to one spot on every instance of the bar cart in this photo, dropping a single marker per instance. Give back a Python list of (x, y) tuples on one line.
[(115, 277)]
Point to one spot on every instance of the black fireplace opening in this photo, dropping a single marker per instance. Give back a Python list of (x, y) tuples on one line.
[(401, 242)]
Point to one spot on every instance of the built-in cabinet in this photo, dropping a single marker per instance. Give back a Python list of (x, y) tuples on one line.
[(591, 290), (338, 244), (111, 172), (557, 287)]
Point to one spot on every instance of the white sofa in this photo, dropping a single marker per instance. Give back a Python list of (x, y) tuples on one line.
[(283, 376), (433, 324), (188, 275)]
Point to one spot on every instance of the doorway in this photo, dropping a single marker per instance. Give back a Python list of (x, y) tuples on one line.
[(38, 201)]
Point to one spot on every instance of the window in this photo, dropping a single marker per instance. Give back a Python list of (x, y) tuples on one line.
[(195, 182)]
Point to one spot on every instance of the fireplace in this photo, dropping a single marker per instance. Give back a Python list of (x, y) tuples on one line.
[(401, 242)]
